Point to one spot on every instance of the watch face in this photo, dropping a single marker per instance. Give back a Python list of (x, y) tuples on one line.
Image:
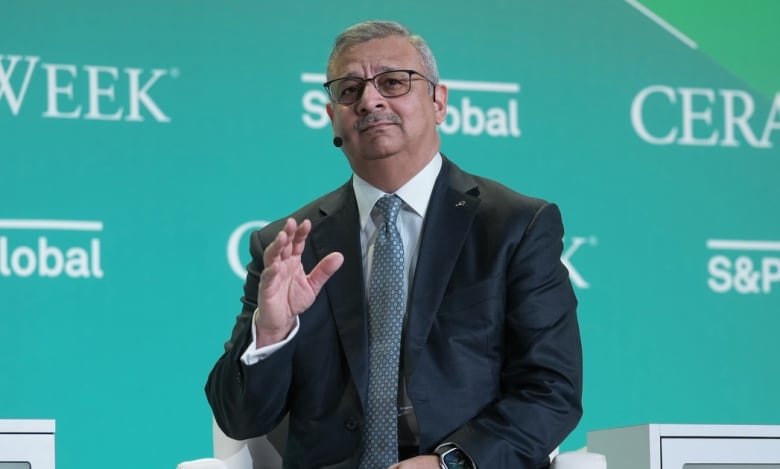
[(455, 459)]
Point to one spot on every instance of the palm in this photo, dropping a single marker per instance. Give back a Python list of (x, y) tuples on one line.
[(285, 288), (288, 291)]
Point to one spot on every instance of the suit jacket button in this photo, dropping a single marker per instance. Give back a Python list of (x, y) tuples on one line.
[(351, 425)]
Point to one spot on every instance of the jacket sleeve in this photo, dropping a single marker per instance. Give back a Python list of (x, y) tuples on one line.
[(541, 377), (248, 401)]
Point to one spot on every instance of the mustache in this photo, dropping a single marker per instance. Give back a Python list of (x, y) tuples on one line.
[(376, 117)]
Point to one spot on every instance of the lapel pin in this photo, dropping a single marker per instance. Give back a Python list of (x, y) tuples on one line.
[(461, 203)]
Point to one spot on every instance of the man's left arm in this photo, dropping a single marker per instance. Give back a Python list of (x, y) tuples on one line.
[(541, 383)]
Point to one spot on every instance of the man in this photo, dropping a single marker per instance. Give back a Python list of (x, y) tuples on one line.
[(486, 368)]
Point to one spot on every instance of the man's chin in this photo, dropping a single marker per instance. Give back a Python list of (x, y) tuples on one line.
[(375, 152), (379, 146), (378, 154)]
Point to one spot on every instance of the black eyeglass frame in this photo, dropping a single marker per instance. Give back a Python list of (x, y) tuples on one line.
[(362, 85)]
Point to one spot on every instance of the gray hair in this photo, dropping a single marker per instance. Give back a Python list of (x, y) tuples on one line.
[(368, 30)]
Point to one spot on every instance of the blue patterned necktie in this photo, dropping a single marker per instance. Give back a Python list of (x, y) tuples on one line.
[(386, 302)]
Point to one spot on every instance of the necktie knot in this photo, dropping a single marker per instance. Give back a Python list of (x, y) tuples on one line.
[(389, 206)]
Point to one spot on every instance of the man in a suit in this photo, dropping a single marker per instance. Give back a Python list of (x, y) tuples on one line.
[(486, 369)]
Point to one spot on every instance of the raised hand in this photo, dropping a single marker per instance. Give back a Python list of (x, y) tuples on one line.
[(285, 290)]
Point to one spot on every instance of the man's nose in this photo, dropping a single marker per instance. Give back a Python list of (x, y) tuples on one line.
[(371, 98)]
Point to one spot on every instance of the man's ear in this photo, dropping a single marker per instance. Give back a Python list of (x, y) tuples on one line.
[(440, 103), (329, 110)]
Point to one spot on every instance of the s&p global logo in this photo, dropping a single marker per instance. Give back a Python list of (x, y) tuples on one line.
[(91, 92), (50, 248), (474, 108), (743, 266)]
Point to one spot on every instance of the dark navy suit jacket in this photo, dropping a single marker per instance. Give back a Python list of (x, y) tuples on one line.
[(491, 352)]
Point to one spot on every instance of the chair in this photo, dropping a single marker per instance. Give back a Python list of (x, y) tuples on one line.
[(263, 453)]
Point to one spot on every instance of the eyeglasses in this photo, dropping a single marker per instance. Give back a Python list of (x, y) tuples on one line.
[(391, 84)]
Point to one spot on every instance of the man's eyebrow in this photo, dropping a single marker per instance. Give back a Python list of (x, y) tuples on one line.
[(349, 75), (382, 69)]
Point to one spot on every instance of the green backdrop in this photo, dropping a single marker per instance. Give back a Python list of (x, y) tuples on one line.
[(140, 141)]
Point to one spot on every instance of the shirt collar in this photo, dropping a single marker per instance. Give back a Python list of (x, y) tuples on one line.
[(415, 193)]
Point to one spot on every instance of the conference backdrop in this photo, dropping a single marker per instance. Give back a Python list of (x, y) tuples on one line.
[(141, 142)]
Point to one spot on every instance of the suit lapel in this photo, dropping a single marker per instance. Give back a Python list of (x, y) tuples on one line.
[(451, 210), (339, 230)]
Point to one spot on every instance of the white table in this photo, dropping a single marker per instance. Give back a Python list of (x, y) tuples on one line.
[(664, 446), (26, 444)]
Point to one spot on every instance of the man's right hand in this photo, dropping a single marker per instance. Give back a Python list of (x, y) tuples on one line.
[(285, 290)]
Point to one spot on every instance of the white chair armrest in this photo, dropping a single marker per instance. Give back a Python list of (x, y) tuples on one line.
[(579, 460), (205, 463), (254, 453)]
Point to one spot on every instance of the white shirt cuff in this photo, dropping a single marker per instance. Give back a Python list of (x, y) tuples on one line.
[(253, 355)]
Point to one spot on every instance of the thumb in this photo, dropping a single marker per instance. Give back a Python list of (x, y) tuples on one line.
[(324, 270)]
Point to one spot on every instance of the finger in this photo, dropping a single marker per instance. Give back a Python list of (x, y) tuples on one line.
[(299, 240), (279, 249), (290, 229), (324, 270), (274, 250)]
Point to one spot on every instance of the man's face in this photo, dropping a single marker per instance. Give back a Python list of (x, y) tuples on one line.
[(377, 130)]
